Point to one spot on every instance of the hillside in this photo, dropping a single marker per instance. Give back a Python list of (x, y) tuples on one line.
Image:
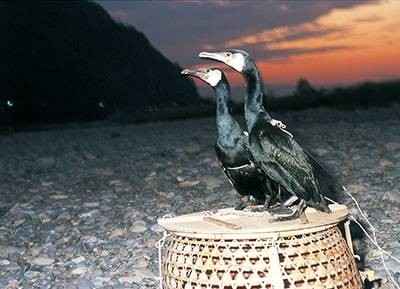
[(65, 61)]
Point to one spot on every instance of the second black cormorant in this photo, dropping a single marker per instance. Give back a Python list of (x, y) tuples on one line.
[(232, 146), (272, 147)]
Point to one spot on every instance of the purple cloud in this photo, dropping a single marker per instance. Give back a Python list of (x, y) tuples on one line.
[(180, 29)]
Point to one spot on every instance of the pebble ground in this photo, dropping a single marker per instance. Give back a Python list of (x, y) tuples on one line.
[(79, 206)]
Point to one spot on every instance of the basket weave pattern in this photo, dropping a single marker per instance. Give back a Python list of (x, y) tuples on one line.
[(315, 260)]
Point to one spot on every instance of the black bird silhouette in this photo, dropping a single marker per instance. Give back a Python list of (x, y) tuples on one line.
[(272, 147), (232, 146)]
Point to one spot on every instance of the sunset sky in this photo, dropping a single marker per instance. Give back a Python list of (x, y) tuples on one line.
[(327, 42)]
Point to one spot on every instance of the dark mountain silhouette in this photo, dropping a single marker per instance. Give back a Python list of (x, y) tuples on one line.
[(63, 61)]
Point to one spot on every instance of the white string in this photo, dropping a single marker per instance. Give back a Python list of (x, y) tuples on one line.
[(286, 132), (332, 201), (239, 167), (372, 240), (346, 228), (166, 216), (281, 125), (366, 233), (160, 243), (375, 240)]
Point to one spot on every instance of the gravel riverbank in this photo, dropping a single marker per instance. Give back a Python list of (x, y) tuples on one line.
[(78, 207)]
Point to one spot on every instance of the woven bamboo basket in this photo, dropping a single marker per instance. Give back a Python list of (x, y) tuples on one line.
[(241, 250)]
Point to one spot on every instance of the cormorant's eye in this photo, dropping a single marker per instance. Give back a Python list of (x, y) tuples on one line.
[(208, 70), (228, 54)]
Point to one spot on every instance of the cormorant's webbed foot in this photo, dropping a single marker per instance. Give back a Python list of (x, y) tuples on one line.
[(299, 211), (280, 210), (275, 209), (267, 203)]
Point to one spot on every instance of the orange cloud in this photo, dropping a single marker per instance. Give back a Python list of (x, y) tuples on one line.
[(335, 67), (342, 46)]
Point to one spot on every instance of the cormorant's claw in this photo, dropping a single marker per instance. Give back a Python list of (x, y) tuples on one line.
[(299, 213)]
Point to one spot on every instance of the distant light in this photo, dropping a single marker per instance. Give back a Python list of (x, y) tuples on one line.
[(10, 103), (101, 104)]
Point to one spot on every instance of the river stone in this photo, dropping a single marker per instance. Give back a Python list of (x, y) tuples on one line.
[(46, 162), (117, 233), (138, 227), (212, 182), (79, 270), (78, 260), (393, 196), (84, 284), (42, 261), (392, 146)]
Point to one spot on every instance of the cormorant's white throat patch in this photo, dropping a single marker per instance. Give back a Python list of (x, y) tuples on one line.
[(214, 76), (237, 62)]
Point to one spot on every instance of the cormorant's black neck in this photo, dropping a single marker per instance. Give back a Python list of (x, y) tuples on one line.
[(224, 117), (254, 98)]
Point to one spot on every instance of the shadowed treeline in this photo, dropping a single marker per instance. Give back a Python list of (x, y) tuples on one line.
[(363, 95), (69, 61)]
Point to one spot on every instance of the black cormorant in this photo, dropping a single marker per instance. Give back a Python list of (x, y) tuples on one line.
[(232, 145), (272, 147)]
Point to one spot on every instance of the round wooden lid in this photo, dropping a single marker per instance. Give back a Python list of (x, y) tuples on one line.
[(229, 223)]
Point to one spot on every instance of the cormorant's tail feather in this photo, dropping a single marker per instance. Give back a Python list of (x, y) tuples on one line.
[(321, 205), (325, 207), (330, 187)]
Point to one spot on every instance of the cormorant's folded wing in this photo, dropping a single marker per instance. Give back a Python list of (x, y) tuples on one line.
[(285, 161)]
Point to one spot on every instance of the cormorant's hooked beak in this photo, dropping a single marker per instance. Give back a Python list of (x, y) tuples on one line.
[(219, 56), (186, 71), (192, 72), (234, 60)]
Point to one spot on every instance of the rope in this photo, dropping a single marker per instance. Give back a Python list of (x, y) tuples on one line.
[(281, 125), (332, 201), (166, 216), (285, 131), (160, 243), (373, 238), (239, 167), (366, 233)]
